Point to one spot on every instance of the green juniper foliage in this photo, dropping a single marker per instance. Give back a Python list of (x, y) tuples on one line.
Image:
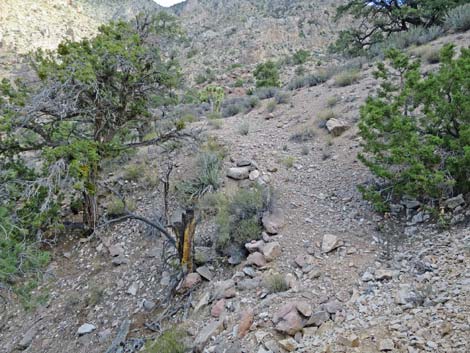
[(416, 132), (267, 75), (379, 19), (91, 98)]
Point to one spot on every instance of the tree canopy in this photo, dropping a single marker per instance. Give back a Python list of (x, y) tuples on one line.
[(378, 19)]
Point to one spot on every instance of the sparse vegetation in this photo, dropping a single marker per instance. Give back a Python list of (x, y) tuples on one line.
[(300, 57), (389, 18), (458, 19), (304, 134), (207, 179), (266, 92), (244, 128), (347, 78), (239, 217), (428, 53), (288, 162), (282, 97), (332, 101), (133, 172), (276, 283), (236, 105), (326, 115), (271, 107), (169, 342)]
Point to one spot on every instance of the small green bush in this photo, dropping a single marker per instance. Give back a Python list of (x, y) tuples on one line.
[(267, 75), (458, 18), (239, 217), (300, 70), (271, 106), (208, 166), (133, 172), (300, 57), (236, 105), (416, 132), (239, 83), (276, 283), (326, 115), (169, 342), (266, 92), (282, 97), (244, 128), (428, 53), (116, 206), (304, 134), (332, 101), (347, 78), (288, 162)]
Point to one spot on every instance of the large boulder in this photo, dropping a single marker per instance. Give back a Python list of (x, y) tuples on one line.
[(336, 126), (238, 173)]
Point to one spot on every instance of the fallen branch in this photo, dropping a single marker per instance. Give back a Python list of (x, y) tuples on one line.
[(120, 337)]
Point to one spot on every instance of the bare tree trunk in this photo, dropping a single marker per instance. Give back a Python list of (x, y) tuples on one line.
[(90, 205), (184, 239)]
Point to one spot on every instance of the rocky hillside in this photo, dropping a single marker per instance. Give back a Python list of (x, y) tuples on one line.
[(219, 33), (247, 31)]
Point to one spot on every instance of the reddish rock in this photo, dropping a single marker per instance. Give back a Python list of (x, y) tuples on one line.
[(191, 281), (272, 251), (283, 311), (256, 259), (218, 308), (273, 221), (246, 321), (290, 324), (254, 246)]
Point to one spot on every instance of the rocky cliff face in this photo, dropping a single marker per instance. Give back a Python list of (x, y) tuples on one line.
[(220, 32)]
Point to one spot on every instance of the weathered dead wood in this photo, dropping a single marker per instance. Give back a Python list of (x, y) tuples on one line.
[(120, 337)]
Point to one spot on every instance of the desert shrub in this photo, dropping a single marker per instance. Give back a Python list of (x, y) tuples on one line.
[(216, 123), (428, 53), (266, 92), (300, 70), (347, 78), (239, 217), (116, 206), (332, 101), (207, 179), (416, 132), (288, 161), (233, 106), (231, 110), (311, 80), (275, 283), (169, 342), (305, 150), (296, 83), (215, 120), (133, 172), (458, 19), (271, 106), (326, 115), (300, 57), (304, 134), (238, 83), (386, 19), (206, 76), (414, 36), (267, 75), (244, 128), (282, 97)]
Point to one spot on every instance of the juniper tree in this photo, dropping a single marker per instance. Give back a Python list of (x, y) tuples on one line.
[(416, 131)]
